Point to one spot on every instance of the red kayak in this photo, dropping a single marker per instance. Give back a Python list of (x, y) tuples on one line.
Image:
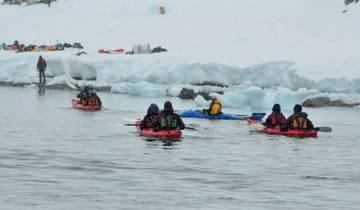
[(162, 134), (76, 104), (292, 132), (116, 51)]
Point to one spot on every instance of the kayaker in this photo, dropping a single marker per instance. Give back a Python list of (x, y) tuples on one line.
[(168, 120), (151, 117), (298, 120), (276, 119), (94, 100), (84, 95), (215, 107), (41, 68)]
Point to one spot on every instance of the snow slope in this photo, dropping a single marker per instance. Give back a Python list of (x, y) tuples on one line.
[(302, 46)]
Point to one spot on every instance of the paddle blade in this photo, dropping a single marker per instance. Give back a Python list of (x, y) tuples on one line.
[(190, 128), (130, 124), (324, 129)]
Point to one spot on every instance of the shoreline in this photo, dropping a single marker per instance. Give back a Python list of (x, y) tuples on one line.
[(53, 86)]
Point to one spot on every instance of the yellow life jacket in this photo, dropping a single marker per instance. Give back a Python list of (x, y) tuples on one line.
[(215, 107)]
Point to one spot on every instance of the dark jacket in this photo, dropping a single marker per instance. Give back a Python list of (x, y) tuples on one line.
[(275, 119), (298, 121), (150, 118), (41, 65)]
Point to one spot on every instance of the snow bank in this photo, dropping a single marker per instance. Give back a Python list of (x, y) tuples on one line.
[(261, 51)]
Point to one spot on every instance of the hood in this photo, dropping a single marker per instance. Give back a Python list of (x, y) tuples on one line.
[(276, 108), (153, 109)]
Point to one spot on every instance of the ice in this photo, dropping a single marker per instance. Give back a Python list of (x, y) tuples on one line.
[(256, 52)]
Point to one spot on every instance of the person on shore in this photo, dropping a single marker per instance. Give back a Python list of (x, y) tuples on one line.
[(215, 107), (298, 120), (41, 68), (168, 120), (150, 119), (276, 119)]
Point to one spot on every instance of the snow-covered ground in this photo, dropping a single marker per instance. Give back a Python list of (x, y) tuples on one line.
[(265, 51)]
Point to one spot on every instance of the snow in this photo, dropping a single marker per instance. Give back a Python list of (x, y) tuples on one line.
[(265, 51)]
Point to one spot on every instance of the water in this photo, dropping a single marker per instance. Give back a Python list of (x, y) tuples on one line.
[(55, 157)]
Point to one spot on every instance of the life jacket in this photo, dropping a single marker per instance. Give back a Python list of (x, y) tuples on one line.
[(277, 119), (83, 101), (215, 107), (299, 122), (168, 122), (93, 101)]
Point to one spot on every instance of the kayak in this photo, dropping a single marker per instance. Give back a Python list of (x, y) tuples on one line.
[(292, 132), (162, 134), (200, 114), (76, 104)]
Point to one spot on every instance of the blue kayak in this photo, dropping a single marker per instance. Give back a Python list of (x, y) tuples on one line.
[(202, 115)]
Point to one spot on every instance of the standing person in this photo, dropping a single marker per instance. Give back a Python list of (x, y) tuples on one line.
[(41, 68), (49, 2), (168, 120), (276, 119), (298, 120)]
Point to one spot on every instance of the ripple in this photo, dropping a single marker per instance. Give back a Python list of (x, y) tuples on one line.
[(320, 178)]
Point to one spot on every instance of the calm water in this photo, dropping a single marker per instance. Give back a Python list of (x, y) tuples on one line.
[(55, 157)]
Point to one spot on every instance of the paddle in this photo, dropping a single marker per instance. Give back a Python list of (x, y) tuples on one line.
[(324, 129), (132, 124), (190, 128)]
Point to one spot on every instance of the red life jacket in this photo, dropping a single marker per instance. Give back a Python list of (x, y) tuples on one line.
[(93, 101), (277, 119)]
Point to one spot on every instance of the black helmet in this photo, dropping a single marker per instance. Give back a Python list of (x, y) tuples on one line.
[(297, 108), (168, 107), (276, 108)]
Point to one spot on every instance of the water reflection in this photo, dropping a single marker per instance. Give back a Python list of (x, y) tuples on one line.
[(164, 143), (41, 91)]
